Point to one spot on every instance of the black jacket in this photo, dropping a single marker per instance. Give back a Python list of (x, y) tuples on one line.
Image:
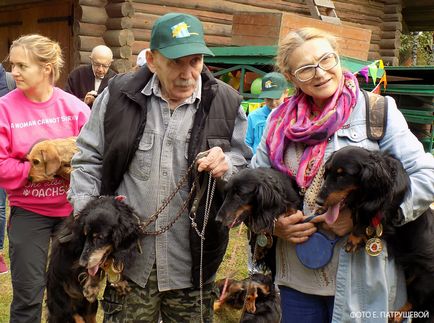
[(82, 80), (124, 123)]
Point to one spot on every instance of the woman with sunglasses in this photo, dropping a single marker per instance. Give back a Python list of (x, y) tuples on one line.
[(327, 113)]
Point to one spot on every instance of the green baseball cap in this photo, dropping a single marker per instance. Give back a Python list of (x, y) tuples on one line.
[(177, 35), (273, 86)]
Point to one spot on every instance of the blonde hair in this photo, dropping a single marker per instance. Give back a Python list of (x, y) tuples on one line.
[(44, 51), (295, 39)]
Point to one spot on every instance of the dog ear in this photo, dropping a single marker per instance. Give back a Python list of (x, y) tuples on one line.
[(51, 159), (128, 230), (270, 200), (376, 180)]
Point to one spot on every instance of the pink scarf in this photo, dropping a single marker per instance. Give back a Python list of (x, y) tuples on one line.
[(294, 121)]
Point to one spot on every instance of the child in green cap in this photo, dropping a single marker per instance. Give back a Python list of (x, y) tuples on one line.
[(274, 91)]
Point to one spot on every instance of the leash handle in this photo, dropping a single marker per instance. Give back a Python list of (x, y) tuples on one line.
[(202, 154), (310, 218)]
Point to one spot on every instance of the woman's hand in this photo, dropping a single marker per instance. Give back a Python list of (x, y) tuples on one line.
[(292, 229), (341, 227)]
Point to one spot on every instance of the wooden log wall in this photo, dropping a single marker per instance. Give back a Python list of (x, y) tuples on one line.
[(217, 17), (392, 30), (88, 28), (125, 25)]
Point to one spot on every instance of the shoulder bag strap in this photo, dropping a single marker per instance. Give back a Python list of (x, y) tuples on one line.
[(376, 115)]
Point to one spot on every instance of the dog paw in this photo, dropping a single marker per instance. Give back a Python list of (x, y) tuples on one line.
[(354, 243)]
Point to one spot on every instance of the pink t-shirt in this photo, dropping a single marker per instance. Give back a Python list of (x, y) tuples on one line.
[(24, 123)]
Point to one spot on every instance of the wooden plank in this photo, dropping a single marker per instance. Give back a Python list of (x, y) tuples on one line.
[(119, 23), (392, 9), (207, 5), (324, 3), (119, 10), (331, 20), (291, 21), (202, 15), (248, 30), (122, 52), (141, 34), (392, 26), (390, 43), (146, 21), (137, 46), (212, 40), (244, 40), (266, 19), (294, 6), (86, 29), (87, 43), (393, 17), (118, 38), (92, 15)]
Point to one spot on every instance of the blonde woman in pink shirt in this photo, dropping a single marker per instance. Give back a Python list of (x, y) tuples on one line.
[(35, 111)]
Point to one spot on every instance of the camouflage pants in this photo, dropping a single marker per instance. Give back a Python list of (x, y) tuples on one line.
[(147, 304)]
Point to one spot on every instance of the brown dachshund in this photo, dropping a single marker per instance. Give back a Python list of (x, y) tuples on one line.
[(51, 158), (256, 295)]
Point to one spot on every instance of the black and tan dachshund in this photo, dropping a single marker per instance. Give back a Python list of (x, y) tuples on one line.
[(372, 185), (256, 295), (99, 242), (257, 197)]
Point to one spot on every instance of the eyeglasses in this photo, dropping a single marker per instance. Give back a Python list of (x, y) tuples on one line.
[(308, 72), (97, 65)]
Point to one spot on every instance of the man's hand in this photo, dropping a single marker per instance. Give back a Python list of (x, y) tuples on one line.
[(90, 97), (215, 162), (292, 229)]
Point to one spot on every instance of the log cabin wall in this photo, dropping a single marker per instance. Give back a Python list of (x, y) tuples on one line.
[(217, 17), (125, 25)]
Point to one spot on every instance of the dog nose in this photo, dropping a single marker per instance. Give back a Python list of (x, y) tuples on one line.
[(30, 178)]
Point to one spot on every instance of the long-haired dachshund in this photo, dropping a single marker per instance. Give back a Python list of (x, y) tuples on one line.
[(100, 241), (372, 185), (256, 295), (257, 197)]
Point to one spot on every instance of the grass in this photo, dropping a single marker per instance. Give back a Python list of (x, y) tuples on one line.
[(234, 265)]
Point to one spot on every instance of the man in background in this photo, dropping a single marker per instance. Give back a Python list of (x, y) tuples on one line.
[(87, 81)]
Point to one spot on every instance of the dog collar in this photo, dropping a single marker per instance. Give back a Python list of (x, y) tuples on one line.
[(374, 245)]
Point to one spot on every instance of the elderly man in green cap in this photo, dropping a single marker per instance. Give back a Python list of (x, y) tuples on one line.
[(145, 131)]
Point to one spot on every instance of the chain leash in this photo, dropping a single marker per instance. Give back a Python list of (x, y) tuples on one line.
[(208, 202), (179, 185)]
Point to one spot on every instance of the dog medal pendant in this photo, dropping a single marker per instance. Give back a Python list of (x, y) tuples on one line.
[(370, 231), (379, 230), (374, 247), (261, 240)]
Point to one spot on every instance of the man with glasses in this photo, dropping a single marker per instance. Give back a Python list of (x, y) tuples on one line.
[(87, 81)]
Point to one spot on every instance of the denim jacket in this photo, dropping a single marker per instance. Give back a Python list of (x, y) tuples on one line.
[(368, 287)]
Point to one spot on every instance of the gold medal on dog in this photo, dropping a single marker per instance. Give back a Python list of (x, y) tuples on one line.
[(374, 247), (261, 240), (370, 231), (379, 230)]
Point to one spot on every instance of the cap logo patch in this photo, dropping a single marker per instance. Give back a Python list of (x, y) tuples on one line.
[(269, 84), (181, 31)]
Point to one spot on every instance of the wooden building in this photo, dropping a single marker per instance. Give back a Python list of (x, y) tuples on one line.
[(125, 25)]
